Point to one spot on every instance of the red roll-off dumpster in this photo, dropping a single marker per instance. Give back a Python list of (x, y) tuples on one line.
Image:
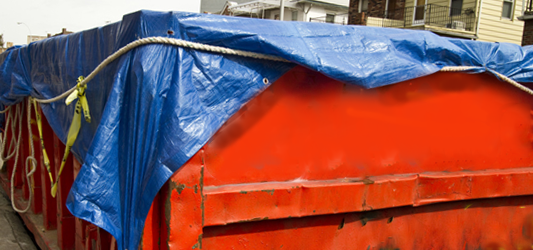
[(439, 162), (319, 158)]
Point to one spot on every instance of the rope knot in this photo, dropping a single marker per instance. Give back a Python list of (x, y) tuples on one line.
[(79, 93)]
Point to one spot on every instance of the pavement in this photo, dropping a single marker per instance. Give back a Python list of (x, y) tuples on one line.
[(13, 234)]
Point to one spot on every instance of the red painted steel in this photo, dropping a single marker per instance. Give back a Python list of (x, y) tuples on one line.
[(66, 229), (250, 202), (71, 233), (182, 198), (80, 225), (24, 153), (307, 126), (37, 201), (49, 203), (503, 223), (152, 226), (439, 162), (358, 169), (45, 239)]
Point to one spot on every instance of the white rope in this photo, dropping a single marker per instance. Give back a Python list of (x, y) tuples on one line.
[(5, 110), (18, 110), (31, 158), (10, 118), (222, 50), (457, 68), (503, 77), (168, 41)]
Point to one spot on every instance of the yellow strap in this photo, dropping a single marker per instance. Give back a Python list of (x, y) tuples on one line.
[(75, 125), (40, 127)]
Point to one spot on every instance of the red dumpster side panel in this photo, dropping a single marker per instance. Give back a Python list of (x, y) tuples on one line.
[(307, 126), (503, 223)]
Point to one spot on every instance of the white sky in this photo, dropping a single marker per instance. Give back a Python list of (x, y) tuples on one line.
[(50, 16)]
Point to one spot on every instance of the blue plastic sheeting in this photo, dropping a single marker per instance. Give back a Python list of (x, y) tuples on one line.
[(157, 105)]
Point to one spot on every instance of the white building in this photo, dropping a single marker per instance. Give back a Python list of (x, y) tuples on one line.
[(331, 11)]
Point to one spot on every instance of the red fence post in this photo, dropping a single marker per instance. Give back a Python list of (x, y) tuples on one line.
[(65, 220), (81, 225), (49, 202), (37, 201), (24, 151)]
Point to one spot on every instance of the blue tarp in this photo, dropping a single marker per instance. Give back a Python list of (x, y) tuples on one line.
[(158, 105)]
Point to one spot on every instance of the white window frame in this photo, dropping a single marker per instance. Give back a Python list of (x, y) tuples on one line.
[(422, 21), (512, 9)]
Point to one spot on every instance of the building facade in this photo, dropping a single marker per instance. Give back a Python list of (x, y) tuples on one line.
[(484, 20), (330, 11), (34, 38), (527, 17)]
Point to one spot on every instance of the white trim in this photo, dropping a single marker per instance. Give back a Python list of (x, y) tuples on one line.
[(479, 17), (386, 8)]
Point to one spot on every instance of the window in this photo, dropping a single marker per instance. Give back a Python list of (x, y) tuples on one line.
[(363, 6), (507, 9), (456, 7), (330, 18), (295, 16)]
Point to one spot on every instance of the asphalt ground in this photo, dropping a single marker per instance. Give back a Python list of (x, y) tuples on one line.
[(13, 234)]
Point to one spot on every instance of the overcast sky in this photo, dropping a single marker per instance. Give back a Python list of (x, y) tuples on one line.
[(50, 16)]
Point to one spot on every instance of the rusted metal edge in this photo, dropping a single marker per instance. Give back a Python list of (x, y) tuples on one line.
[(276, 200), (46, 239)]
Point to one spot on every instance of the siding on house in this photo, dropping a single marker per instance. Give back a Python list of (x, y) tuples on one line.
[(494, 28)]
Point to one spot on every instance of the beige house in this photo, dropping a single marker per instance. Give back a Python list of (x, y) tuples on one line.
[(330, 11), (483, 20)]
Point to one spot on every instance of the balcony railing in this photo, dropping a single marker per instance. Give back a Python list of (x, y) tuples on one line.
[(528, 10), (337, 19), (430, 14)]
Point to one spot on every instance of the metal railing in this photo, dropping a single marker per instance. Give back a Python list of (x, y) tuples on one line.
[(528, 10), (337, 19), (429, 14)]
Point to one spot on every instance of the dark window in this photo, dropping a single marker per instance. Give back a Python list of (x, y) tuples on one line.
[(364, 6), (507, 10), (295, 16), (456, 7), (330, 18)]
